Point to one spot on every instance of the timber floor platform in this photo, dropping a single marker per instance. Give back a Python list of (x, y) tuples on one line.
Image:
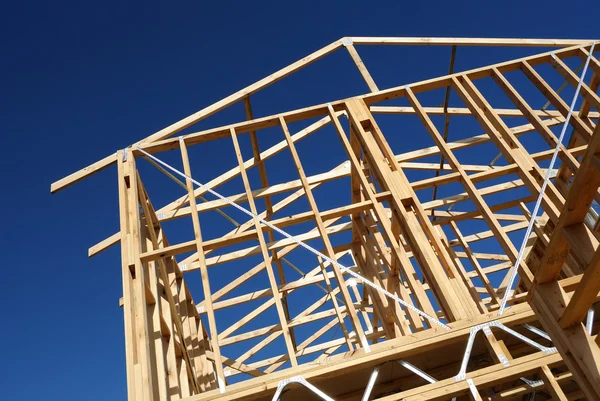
[(371, 247)]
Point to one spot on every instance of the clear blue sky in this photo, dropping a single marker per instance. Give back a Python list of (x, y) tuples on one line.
[(78, 82)]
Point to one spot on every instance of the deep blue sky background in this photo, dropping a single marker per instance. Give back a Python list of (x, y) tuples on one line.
[(79, 81)]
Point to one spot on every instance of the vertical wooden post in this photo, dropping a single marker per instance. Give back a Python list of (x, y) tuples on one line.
[(140, 359)]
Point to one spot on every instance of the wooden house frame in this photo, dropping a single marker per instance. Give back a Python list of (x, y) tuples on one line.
[(447, 339)]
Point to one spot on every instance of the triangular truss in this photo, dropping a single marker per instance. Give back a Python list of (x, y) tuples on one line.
[(402, 199)]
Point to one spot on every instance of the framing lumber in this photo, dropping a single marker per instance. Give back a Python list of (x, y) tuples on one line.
[(422, 217)]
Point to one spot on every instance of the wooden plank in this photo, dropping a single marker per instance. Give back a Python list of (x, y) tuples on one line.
[(361, 66), (578, 350), (464, 111), (433, 41), (531, 116), (176, 295), (324, 235), (203, 271), (552, 385), (473, 259), (175, 209), (262, 171), (579, 199), (320, 110), (265, 254), (200, 115), (400, 348), (127, 281), (145, 381), (486, 212), (391, 179), (509, 145), (580, 128), (585, 295), (404, 264)]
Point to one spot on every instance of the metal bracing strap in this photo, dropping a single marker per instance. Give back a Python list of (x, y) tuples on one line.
[(370, 384), (589, 321), (473, 389), (430, 379), (486, 326), (537, 331), (300, 380)]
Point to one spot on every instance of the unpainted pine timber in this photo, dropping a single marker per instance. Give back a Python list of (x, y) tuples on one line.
[(264, 181), (203, 271), (276, 208), (361, 66), (144, 380), (380, 96), (235, 171), (579, 199), (157, 345), (585, 295), (404, 264), (493, 346), (303, 346), (446, 124), (177, 209), (244, 236), (128, 278), (169, 212), (509, 145), (334, 300), (324, 235), (465, 279), (190, 352), (391, 314), (307, 279), (464, 111), (200, 115), (392, 179), (476, 266), (234, 255), (231, 99), (531, 116), (432, 41), (437, 238), (363, 253), (552, 385), (265, 254), (241, 234), (302, 318), (577, 348), (594, 82), (339, 228), (403, 347), (177, 298), (481, 72), (475, 196), (157, 339), (585, 91), (392, 282), (444, 390), (580, 127), (172, 360), (301, 349), (234, 364)]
